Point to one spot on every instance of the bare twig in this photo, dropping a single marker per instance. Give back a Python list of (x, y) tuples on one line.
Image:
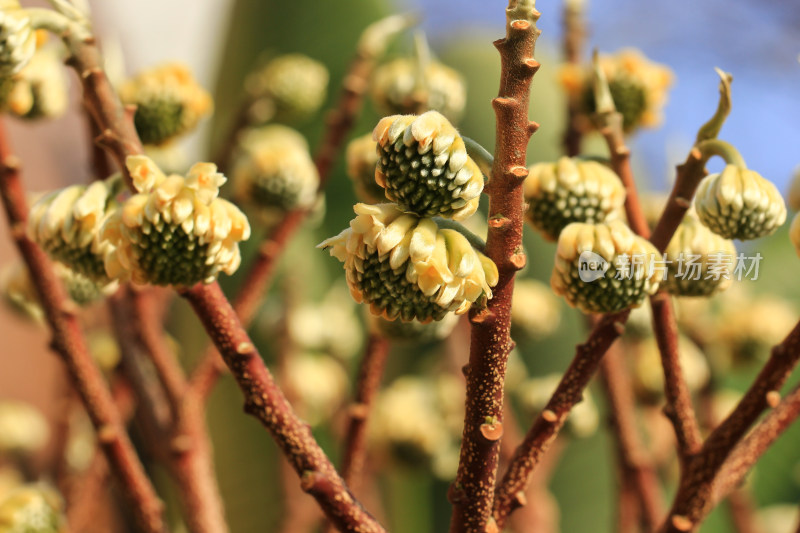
[(695, 496), (638, 471), (340, 121), (574, 28), (370, 374), (263, 398), (265, 401), (69, 342), (473, 490)]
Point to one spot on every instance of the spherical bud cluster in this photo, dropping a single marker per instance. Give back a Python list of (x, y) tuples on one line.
[(534, 393), (648, 374), (405, 266), (169, 102), (23, 429), (571, 190), (397, 89), (176, 231), (417, 424), (739, 204), (274, 171), (320, 383), (66, 224), (535, 310), (39, 90), (414, 332), (638, 87), (34, 508), (362, 158), (20, 294), (290, 87), (17, 38), (424, 166), (329, 326), (699, 262), (604, 268), (749, 326)]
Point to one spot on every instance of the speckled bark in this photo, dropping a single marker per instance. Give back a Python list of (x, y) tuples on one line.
[(473, 490)]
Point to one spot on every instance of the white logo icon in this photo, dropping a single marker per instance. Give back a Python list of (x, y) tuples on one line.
[(591, 266)]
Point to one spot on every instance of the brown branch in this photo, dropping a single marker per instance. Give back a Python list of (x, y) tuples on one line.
[(637, 466), (473, 490), (370, 374), (588, 355), (745, 455), (574, 27), (694, 498), (510, 491), (338, 125), (265, 401), (68, 341), (679, 408)]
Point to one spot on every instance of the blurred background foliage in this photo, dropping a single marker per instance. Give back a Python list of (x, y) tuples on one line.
[(584, 482)]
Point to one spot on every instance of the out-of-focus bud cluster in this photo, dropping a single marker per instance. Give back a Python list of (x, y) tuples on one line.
[(34, 508), (39, 90), (330, 326), (17, 38), (403, 87), (273, 171), (699, 262), (739, 204), (20, 294), (571, 190), (535, 310), (639, 88), (424, 166), (288, 88), (417, 423), (648, 373), (534, 393), (175, 231), (362, 158), (604, 268), (66, 224), (320, 383), (169, 102), (413, 332), (23, 429), (405, 266)]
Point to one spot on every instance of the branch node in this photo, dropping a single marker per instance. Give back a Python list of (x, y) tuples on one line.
[(491, 526), (107, 434), (549, 416), (244, 348), (519, 173), (518, 259), (773, 398), (18, 230), (619, 327), (499, 221), (12, 163), (520, 25), (683, 202), (533, 127), (181, 444), (492, 431), (358, 411), (681, 523)]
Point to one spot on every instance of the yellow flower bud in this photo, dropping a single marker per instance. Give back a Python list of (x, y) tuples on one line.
[(571, 190), (321, 385), (739, 204), (535, 310), (40, 89), (66, 224), (699, 262), (17, 38), (395, 89), (424, 166), (169, 102), (362, 158), (648, 374), (604, 268), (290, 87), (273, 170), (34, 508), (23, 428), (176, 231), (405, 266)]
